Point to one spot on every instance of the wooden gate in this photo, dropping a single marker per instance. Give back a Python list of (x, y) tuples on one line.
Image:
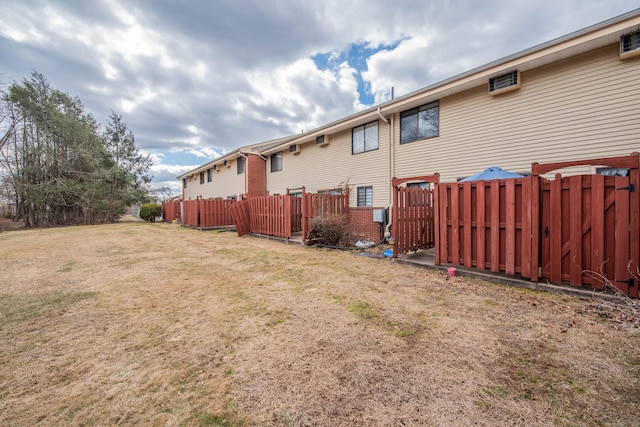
[(584, 230), (241, 215), (589, 226), (413, 215), (487, 225)]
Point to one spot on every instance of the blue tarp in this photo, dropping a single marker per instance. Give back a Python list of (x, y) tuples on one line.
[(493, 172)]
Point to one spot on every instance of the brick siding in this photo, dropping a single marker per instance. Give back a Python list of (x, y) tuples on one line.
[(256, 170), (362, 227)]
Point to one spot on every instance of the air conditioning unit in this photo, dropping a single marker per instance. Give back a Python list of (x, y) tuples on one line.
[(630, 45), (504, 83), (322, 140), (295, 149)]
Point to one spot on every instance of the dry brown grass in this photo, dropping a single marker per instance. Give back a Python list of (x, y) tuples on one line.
[(152, 324)]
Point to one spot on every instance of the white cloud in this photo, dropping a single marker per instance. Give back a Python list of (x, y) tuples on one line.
[(204, 78)]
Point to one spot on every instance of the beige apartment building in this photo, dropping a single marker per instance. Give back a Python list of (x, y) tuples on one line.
[(575, 97)]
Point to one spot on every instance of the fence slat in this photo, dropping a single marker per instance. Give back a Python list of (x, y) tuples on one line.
[(621, 234), (597, 231), (467, 188), (634, 243), (510, 227), (575, 224), (555, 229), (481, 245), (526, 234), (494, 203), (455, 224), (445, 202)]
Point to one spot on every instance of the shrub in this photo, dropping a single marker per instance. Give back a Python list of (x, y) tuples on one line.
[(149, 211), (329, 231)]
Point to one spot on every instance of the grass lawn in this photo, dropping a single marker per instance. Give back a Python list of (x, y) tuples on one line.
[(153, 324)]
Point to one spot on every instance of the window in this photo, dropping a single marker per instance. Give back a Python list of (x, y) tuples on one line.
[(184, 183), (630, 42), (332, 191), (420, 123), (504, 83), (240, 165), (209, 176), (423, 185), (364, 138), (612, 172), (365, 196), (276, 162), (201, 177)]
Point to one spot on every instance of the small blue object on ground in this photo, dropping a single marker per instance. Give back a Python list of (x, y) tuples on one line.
[(388, 253)]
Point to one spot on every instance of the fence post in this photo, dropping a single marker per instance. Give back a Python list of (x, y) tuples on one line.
[(436, 223), (634, 253), (395, 221), (305, 215)]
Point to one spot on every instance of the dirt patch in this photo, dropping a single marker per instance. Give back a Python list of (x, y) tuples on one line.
[(141, 323)]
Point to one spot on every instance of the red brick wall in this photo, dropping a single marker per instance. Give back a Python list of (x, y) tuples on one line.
[(362, 227), (256, 170)]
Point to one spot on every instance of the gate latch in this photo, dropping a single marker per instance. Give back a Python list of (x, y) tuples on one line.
[(631, 188)]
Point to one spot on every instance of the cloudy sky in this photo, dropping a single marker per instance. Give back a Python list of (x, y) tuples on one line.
[(195, 79)]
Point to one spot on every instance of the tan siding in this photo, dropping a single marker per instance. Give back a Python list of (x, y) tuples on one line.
[(332, 166), (583, 107), (193, 188), (225, 182)]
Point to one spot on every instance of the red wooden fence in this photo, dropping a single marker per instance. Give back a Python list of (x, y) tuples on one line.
[(271, 215), (590, 226), (215, 213), (170, 211), (241, 216), (207, 213), (584, 230), (281, 216), (486, 225), (296, 214), (322, 206), (191, 213), (413, 215)]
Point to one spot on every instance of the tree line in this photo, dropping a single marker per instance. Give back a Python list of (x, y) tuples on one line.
[(57, 168)]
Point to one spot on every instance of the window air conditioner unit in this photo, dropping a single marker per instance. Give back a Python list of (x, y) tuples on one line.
[(504, 83), (322, 140), (295, 149), (630, 45)]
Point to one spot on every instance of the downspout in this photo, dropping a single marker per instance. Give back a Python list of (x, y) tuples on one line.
[(384, 119), (389, 208), (387, 233)]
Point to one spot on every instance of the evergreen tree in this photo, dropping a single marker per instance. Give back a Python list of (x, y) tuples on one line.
[(60, 169)]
